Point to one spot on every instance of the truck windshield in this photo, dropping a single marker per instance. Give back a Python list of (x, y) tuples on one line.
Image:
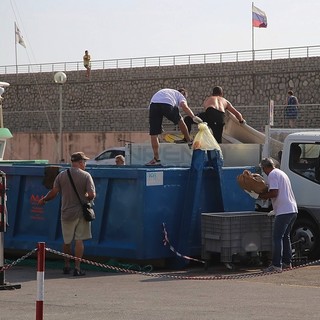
[(305, 160)]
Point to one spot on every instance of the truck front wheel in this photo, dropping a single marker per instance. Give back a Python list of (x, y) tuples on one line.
[(305, 239)]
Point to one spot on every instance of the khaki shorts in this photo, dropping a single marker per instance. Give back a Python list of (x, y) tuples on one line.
[(78, 229)]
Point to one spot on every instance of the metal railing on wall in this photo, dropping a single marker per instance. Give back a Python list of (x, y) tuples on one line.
[(159, 61)]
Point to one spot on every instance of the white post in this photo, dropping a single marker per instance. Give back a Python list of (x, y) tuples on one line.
[(266, 147)]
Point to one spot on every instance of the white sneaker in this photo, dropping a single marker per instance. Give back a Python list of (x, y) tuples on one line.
[(273, 268)]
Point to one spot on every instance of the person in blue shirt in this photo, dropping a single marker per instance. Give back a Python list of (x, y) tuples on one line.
[(291, 111)]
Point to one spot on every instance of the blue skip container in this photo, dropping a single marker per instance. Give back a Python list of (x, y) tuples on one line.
[(131, 206)]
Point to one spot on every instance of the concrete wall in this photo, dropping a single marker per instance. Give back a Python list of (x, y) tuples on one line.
[(31, 146), (114, 101)]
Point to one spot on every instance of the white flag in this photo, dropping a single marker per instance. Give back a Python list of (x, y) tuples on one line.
[(19, 38)]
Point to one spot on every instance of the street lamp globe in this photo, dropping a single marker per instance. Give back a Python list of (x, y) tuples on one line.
[(60, 77)]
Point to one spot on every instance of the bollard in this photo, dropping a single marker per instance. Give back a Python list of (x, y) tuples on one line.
[(40, 280)]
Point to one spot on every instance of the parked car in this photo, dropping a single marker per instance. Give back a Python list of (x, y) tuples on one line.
[(107, 157)]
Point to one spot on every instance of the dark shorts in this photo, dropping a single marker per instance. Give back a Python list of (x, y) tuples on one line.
[(156, 113), (215, 120)]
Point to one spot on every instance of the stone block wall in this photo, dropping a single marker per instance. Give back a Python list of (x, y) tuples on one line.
[(115, 100)]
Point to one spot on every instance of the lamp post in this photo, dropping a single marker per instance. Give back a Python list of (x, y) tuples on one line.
[(60, 78), (1, 114)]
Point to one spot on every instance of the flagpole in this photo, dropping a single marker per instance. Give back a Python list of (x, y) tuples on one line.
[(253, 54), (15, 50), (252, 40)]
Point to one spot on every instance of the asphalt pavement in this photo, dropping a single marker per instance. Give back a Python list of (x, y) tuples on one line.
[(194, 293)]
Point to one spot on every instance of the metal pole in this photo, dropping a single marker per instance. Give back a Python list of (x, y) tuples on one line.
[(252, 33), (2, 276), (2, 225), (1, 114), (61, 159)]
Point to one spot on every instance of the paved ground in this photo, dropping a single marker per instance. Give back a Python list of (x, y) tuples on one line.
[(99, 295)]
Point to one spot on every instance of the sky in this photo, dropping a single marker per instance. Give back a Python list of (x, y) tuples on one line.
[(61, 30)]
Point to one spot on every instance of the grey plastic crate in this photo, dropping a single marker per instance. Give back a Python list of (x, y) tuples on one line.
[(230, 233)]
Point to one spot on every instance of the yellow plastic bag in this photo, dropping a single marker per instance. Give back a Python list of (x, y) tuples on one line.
[(204, 139)]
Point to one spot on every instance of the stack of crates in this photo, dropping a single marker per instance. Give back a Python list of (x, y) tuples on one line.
[(235, 233)]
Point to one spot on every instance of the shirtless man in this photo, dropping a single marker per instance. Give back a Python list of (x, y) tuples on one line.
[(215, 107)]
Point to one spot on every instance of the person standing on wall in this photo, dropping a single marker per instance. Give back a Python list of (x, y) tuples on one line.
[(167, 103), (74, 226), (285, 209), (87, 63), (291, 111), (215, 107)]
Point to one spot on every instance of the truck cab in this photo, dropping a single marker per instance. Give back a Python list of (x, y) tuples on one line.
[(300, 160)]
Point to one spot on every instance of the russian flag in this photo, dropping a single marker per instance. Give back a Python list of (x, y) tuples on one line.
[(259, 18)]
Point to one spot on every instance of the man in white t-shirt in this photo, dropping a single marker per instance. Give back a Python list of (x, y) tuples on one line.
[(285, 209), (168, 103)]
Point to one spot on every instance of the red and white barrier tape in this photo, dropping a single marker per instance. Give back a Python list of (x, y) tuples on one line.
[(166, 241)]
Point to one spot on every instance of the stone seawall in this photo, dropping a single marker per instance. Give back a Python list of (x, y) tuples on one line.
[(115, 100)]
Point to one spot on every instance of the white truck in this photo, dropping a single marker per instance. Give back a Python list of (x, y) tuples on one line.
[(304, 174)]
